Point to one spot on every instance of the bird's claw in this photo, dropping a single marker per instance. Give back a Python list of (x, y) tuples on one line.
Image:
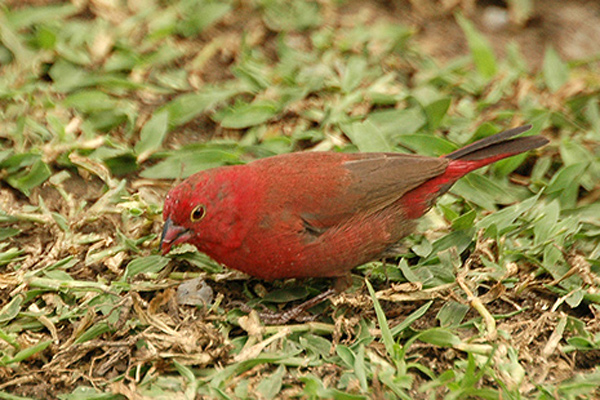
[(269, 317)]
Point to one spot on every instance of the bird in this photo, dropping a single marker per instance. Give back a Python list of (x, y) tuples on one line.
[(319, 214)]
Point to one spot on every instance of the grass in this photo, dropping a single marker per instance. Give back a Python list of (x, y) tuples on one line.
[(103, 106)]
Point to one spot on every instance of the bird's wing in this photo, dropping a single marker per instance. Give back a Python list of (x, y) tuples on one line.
[(383, 178), (376, 180)]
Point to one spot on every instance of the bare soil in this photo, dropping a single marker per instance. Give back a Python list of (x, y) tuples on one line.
[(571, 27)]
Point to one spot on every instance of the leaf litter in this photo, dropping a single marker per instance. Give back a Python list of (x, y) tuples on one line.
[(87, 304)]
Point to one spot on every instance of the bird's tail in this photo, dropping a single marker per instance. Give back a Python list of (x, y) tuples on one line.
[(462, 161), (487, 151), (501, 144)]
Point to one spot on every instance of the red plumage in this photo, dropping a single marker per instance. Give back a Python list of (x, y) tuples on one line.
[(318, 214)]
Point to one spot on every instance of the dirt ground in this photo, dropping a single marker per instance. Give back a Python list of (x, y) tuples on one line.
[(571, 27)]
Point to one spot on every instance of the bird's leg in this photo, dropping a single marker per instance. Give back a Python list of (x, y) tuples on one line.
[(279, 318), (342, 283)]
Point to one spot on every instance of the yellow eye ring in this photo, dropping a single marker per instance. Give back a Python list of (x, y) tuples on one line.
[(198, 213)]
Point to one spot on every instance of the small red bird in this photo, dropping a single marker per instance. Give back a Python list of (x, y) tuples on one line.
[(318, 214)]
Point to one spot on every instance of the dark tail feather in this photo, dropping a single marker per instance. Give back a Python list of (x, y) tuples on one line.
[(500, 143)]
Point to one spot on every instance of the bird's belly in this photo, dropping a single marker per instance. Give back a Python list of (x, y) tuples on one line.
[(288, 253)]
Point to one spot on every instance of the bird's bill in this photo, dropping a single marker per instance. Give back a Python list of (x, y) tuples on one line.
[(173, 234)]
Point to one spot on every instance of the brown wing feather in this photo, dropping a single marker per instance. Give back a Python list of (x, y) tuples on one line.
[(376, 180), (383, 178)]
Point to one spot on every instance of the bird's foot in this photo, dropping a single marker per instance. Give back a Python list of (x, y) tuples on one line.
[(279, 318)]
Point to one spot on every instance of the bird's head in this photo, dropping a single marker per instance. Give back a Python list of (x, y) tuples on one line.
[(203, 210)]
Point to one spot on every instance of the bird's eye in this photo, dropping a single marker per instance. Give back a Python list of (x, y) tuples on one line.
[(198, 213)]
